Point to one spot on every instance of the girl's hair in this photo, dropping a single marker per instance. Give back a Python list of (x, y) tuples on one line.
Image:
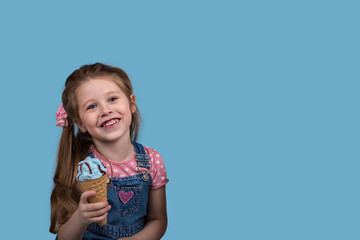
[(74, 145)]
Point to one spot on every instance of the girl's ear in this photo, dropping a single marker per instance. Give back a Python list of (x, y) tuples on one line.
[(133, 103)]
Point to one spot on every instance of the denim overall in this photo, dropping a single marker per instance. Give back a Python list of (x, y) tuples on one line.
[(128, 197)]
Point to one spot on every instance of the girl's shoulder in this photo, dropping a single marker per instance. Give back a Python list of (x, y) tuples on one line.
[(151, 152)]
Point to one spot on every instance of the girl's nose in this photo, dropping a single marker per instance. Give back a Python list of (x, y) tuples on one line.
[(106, 110)]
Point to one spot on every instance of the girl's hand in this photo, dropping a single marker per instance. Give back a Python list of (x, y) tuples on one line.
[(91, 212)]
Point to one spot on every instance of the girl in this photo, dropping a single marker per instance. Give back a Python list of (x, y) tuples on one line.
[(99, 99)]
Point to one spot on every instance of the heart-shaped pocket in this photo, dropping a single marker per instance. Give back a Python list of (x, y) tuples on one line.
[(126, 196)]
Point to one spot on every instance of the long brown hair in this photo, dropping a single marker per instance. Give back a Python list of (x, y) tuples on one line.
[(74, 145)]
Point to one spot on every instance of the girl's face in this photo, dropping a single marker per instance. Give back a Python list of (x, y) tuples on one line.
[(104, 110)]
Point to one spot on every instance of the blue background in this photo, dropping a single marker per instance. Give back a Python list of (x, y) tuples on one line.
[(254, 106)]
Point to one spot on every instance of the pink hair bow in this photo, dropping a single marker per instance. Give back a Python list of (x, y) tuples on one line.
[(61, 117)]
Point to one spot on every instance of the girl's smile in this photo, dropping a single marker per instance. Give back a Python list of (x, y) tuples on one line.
[(110, 123)]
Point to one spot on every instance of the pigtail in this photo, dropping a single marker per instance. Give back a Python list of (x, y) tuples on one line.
[(65, 195)]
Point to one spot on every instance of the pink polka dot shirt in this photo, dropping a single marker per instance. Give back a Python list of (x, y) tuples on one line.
[(129, 167)]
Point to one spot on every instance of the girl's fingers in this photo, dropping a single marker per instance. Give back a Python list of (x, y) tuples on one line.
[(92, 212), (98, 218), (91, 207), (98, 212), (85, 195)]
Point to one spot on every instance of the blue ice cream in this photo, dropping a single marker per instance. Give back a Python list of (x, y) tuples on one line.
[(90, 168)]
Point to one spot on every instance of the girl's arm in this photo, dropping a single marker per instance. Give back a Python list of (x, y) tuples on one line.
[(86, 213), (156, 221)]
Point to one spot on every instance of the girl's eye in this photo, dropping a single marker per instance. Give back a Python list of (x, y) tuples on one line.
[(91, 106), (112, 99)]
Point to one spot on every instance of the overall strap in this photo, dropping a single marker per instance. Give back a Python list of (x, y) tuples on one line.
[(141, 157)]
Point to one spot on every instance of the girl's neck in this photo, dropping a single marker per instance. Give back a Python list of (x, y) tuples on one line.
[(118, 151)]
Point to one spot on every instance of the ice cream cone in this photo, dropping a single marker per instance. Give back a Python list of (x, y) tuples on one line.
[(100, 186)]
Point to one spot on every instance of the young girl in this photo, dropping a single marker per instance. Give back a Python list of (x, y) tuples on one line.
[(99, 99)]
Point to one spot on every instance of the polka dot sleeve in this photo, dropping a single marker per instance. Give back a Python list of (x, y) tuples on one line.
[(157, 171)]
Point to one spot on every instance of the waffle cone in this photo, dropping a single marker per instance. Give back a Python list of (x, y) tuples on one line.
[(100, 186)]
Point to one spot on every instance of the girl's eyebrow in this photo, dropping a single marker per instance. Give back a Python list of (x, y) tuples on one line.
[(112, 92)]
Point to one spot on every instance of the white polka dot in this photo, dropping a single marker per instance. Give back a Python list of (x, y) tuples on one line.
[(122, 175), (158, 155), (162, 166), (126, 169), (116, 170), (154, 181), (162, 178), (132, 163), (157, 162)]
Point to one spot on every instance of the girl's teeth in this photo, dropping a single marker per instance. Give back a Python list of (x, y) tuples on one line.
[(110, 123)]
